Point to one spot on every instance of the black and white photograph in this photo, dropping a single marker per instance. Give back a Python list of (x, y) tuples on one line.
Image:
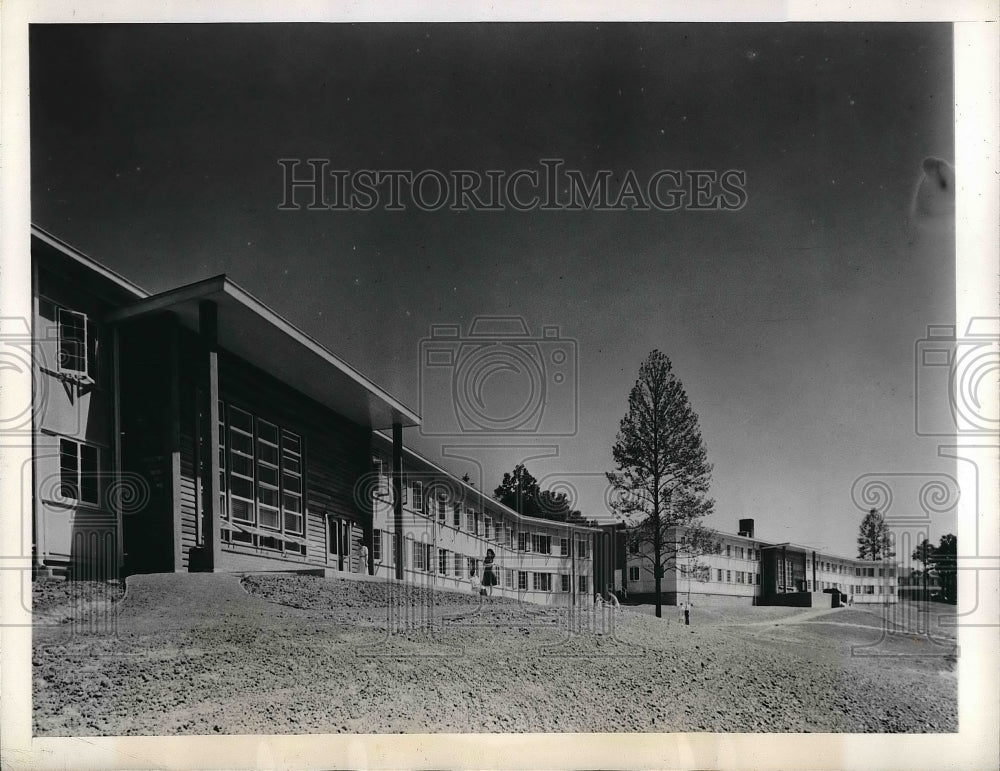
[(459, 379)]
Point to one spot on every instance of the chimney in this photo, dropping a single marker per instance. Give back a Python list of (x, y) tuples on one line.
[(746, 527)]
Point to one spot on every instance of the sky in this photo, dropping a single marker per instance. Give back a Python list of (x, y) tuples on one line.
[(792, 322)]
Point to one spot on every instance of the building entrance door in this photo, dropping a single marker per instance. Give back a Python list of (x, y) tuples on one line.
[(338, 541)]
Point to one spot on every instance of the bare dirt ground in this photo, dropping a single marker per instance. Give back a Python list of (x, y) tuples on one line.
[(205, 653)]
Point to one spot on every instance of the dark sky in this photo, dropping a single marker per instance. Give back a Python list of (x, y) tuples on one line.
[(791, 322)]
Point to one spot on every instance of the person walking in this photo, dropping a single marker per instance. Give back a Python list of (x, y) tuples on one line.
[(489, 574), (364, 560)]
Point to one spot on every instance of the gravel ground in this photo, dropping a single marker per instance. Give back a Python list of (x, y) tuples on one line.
[(201, 653)]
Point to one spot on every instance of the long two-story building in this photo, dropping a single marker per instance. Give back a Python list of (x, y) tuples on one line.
[(745, 569), (196, 429)]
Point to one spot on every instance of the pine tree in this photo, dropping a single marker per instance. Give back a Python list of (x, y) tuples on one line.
[(662, 474), (874, 539)]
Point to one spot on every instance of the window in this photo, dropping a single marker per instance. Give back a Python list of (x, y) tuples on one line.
[(729, 577), (487, 527), (241, 462), (542, 582), (381, 478), (881, 572), (291, 482), (377, 546), (718, 575), (509, 578), (262, 475), (456, 514), (583, 548), (267, 475), (442, 508), (729, 550), (77, 343), (419, 553), (564, 582), (633, 573), (223, 508), (459, 564), (79, 472), (739, 576), (470, 524), (564, 547), (418, 496), (473, 566), (869, 590), (870, 572), (857, 571), (633, 546), (582, 584), (476, 521), (757, 579), (510, 537), (522, 580), (443, 561), (523, 542), (541, 544)]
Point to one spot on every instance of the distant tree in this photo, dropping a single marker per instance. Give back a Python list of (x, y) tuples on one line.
[(945, 561), (924, 554), (519, 491), (662, 474), (874, 541)]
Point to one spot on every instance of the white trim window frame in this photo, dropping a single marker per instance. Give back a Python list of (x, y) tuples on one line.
[(77, 343), (268, 476), (79, 472), (242, 481)]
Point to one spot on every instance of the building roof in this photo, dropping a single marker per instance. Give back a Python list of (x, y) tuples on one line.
[(68, 260), (480, 494), (254, 332)]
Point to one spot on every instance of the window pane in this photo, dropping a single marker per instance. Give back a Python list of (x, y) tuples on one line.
[(242, 510), (72, 341), (267, 496), (241, 443), (88, 474), (68, 470), (267, 453), (267, 475), (269, 517), (268, 432), (293, 484), (241, 464), (241, 487), (291, 442), (241, 420), (293, 522)]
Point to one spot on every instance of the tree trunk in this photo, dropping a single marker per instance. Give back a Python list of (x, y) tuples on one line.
[(657, 571)]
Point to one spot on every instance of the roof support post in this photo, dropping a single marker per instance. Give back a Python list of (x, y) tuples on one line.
[(397, 493), (208, 323)]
